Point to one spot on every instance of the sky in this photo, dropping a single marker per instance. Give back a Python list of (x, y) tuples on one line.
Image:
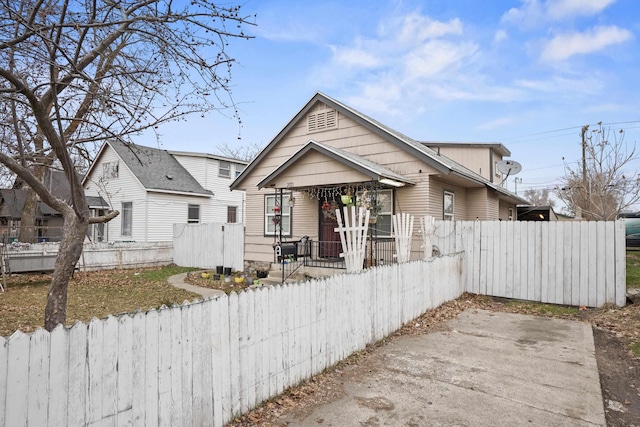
[(525, 73)]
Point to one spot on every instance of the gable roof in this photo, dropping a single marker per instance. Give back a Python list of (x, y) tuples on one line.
[(372, 170), (440, 163), (155, 169)]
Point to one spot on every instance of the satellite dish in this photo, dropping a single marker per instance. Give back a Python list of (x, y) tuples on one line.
[(509, 167)]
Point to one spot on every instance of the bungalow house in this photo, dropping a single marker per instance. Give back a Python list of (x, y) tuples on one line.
[(154, 189), (329, 150)]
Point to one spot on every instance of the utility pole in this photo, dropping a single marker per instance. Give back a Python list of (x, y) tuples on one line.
[(585, 128)]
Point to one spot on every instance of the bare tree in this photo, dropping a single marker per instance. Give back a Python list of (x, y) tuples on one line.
[(74, 74), (246, 152), (603, 183), (539, 197)]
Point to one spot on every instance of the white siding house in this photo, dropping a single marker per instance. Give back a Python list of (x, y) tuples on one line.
[(154, 189)]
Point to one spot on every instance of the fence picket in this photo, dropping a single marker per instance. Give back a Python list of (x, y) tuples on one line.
[(124, 371), (186, 351), (620, 263), (175, 357), (58, 392), (39, 351), (4, 363), (138, 368), (152, 348)]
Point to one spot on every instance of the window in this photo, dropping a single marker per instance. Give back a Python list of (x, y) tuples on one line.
[(224, 169), (239, 169), (110, 170), (193, 215), (127, 218), (270, 202), (232, 214), (382, 207), (448, 206), (510, 214)]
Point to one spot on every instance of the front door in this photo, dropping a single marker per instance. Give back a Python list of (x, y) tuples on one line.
[(329, 238)]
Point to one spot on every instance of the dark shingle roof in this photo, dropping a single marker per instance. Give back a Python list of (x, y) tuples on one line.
[(157, 169)]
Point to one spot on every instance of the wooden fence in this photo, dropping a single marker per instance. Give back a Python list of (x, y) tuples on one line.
[(20, 257), (575, 263), (209, 245), (206, 362)]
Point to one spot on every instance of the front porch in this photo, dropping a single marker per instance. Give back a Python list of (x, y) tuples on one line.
[(312, 258)]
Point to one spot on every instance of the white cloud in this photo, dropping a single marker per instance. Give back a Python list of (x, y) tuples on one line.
[(437, 57), (567, 45), (530, 15), (534, 13), (561, 9), (355, 57), (415, 28), (500, 36)]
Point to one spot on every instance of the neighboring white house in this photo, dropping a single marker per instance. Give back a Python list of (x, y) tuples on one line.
[(154, 189)]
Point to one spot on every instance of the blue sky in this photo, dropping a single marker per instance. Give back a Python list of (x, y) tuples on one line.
[(525, 73)]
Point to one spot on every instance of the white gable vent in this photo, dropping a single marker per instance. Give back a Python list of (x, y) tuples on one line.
[(321, 120)]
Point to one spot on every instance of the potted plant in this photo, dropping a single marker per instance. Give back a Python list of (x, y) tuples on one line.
[(347, 199)]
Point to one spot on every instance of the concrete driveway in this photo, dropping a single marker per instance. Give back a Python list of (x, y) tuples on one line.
[(488, 369)]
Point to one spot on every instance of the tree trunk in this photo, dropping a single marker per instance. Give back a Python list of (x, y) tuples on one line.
[(28, 217), (73, 235)]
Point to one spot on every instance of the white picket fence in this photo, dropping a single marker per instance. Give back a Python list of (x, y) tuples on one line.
[(206, 362), (575, 263), (209, 245)]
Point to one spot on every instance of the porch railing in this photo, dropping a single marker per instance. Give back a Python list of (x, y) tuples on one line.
[(326, 254)]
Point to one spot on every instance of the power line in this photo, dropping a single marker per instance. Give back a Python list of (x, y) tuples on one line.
[(566, 129)]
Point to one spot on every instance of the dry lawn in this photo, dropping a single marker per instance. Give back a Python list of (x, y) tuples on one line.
[(92, 294)]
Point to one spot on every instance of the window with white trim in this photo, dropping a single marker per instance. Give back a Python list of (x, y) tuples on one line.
[(380, 204), (448, 206), (224, 169), (270, 203), (127, 219), (193, 214), (239, 169)]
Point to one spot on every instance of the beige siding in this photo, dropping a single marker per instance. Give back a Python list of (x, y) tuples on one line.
[(477, 159), (436, 200), (317, 169), (493, 206), (504, 210), (477, 203)]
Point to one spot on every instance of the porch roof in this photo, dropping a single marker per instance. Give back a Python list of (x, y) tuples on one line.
[(372, 170)]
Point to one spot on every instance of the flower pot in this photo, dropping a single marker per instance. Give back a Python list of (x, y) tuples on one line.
[(219, 269), (227, 279), (347, 200), (373, 219), (238, 280), (262, 274), (216, 277), (227, 271)]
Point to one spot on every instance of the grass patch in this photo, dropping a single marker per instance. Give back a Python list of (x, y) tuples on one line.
[(633, 269), (91, 294), (635, 348), (551, 310)]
